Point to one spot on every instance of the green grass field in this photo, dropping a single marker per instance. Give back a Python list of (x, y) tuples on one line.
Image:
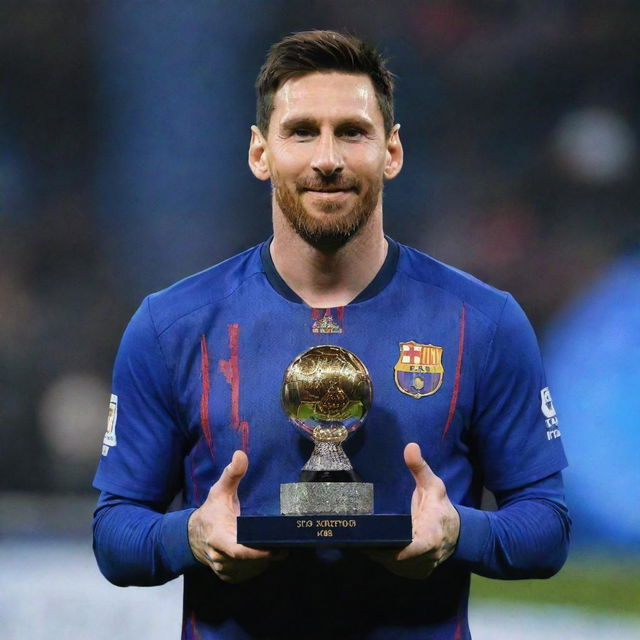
[(593, 583)]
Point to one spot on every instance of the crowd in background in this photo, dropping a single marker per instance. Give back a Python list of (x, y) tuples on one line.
[(123, 136)]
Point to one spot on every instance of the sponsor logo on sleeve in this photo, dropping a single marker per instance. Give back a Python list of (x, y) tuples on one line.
[(549, 413), (110, 435)]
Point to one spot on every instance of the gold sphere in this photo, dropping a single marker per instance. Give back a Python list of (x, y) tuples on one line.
[(325, 388)]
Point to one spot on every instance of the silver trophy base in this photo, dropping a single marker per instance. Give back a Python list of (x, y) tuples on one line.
[(326, 498)]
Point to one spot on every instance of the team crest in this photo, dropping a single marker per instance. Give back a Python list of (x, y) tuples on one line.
[(419, 370)]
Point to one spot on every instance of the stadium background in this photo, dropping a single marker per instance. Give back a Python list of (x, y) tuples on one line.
[(123, 135)]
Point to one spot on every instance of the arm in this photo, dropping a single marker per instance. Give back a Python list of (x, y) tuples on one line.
[(519, 456), (527, 537), (515, 439), (136, 543)]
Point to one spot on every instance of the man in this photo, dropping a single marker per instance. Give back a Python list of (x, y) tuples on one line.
[(455, 369)]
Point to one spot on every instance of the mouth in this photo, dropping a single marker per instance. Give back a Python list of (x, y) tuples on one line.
[(332, 189), (330, 193), (329, 190)]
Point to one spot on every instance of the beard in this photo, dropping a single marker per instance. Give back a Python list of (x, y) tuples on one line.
[(340, 224)]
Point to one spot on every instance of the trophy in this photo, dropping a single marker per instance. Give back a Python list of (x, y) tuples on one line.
[(326, 392)]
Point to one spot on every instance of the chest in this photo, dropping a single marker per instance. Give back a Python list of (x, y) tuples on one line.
[(231, 375)]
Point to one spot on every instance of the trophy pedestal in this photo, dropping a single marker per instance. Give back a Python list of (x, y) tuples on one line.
[(325, 530), (337, 498), (326, 514)]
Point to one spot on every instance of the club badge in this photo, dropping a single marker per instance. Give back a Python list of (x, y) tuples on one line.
[(418, 371)]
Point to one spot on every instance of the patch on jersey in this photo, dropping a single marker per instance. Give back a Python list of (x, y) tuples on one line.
[(109, 439), (549, 413), (418, 371), (327, 323)]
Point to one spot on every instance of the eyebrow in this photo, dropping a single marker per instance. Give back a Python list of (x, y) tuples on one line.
[(297, 122)]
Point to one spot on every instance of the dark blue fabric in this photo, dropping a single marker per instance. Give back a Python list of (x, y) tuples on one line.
[(527, 537), (137, 543)]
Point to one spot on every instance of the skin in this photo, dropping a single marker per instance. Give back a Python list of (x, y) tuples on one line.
[(212, 529), (435, 521), (327, 155), (326, 131)]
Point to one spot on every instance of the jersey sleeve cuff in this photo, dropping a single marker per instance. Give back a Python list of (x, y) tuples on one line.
[(475, 533), (174, 538)]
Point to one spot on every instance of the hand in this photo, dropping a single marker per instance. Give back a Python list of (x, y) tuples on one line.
[(212, 529), (436, 524)]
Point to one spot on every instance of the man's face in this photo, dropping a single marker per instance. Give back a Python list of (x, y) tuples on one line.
[(326, 154)]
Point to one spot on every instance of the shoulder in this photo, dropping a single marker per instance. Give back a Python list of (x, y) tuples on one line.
[(202, 289), (451, 282)]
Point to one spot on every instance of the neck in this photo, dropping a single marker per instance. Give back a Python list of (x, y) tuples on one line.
[(333, 279)]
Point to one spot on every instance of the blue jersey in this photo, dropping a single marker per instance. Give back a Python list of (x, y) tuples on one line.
[(454, 366)]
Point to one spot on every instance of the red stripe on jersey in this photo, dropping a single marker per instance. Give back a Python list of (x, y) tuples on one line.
[(456, 382), (458, 633), (204, 397), (231, 370), (194, 629)]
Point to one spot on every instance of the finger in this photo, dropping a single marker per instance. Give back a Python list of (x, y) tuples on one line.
[(240, 558), (410, 551), (418, 466), (233, 473), (218, 567), (237, 553), (240, 552)]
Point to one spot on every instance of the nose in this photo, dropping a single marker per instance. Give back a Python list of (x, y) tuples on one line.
[(327, 158)]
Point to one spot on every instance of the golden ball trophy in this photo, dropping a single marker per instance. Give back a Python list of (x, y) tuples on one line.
[(326, 393)]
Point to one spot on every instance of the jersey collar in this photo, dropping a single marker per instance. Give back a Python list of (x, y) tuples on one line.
[(381, 280)]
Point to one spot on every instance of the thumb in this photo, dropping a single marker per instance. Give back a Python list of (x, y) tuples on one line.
[(418, 466), (233, 473)]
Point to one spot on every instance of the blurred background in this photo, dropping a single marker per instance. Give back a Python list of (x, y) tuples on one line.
[(124, 128)]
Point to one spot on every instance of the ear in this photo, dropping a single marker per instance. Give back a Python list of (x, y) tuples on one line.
[(258, 155), (395, 154)]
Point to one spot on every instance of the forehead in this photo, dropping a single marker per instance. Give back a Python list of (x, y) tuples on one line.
[(327, 96)]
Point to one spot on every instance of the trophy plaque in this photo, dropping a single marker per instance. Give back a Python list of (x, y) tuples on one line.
[(326, 392)]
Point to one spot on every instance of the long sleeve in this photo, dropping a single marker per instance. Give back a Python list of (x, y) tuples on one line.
[(527, 537), (136, 543)]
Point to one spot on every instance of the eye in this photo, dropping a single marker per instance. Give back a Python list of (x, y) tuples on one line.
[(352, 133), (302, 133)]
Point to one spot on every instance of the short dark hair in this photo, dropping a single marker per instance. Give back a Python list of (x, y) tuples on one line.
[(311, 51)]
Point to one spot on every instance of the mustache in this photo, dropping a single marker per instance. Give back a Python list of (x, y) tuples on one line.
[(334, 181)]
